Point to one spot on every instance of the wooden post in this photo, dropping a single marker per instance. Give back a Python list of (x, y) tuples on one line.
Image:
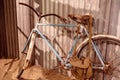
[(30, 50)]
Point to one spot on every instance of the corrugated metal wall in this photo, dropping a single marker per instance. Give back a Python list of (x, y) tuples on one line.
[(24, 21), (105, 12), (3, 51), (8, 29)]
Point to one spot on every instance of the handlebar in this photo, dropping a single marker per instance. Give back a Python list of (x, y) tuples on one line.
[(45, 15)]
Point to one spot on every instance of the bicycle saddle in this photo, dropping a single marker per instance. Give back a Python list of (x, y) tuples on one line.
[(82, 19)]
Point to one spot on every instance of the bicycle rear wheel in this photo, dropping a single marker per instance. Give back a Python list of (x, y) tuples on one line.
[(109, 47)]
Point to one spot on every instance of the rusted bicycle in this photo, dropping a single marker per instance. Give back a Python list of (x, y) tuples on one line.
[(103, 56)]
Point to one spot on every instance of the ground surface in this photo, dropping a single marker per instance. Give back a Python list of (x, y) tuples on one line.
[(8, 69)]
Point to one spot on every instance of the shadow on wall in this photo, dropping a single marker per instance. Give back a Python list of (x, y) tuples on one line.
[(99, 9), (63, 8)]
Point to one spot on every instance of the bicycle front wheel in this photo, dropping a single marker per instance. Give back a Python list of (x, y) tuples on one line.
[(109, 47)]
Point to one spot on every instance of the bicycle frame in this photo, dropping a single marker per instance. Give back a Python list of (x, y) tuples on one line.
[(37, 31)]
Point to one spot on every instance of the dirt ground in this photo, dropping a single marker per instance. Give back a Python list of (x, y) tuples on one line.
[(8, 68)]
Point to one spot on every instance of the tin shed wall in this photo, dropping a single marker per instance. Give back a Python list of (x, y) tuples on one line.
[(105, 12), (8, 29)]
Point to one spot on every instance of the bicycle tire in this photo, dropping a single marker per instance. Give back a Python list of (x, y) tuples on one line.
[(110, 43)]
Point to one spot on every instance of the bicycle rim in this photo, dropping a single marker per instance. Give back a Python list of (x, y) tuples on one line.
[(109, 47)]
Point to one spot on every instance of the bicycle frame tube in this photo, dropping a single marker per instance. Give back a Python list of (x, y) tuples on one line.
[(72, 49), (58, 25), (73, 45), (49, 45), (98, 53)]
